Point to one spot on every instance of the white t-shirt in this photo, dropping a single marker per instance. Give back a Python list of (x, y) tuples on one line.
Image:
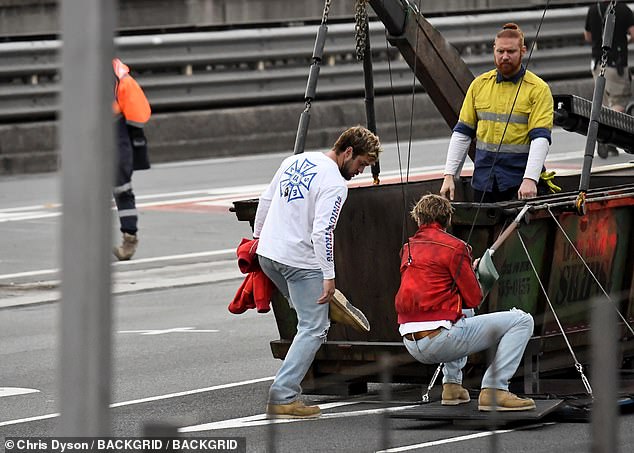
[(298, 212)]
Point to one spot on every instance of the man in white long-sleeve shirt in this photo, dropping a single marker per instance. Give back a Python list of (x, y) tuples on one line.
[(509, 111), (295, 223)]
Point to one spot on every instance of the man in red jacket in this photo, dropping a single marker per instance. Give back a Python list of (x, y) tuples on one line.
[(437, 283)]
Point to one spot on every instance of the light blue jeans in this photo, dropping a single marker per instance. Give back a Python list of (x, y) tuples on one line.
[(510, 330), (302, 288)]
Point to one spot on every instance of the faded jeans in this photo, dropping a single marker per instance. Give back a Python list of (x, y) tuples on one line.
[(510, 330), (302, 288)]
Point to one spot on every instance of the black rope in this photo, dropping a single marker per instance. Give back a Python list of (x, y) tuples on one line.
[(405, 234), (404, 185)]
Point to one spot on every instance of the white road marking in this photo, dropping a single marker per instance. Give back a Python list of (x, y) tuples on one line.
[(182, 256), (12, 391), (197, 200), (132, 263), (220, 160), (31, 208), (148, 399), (450, 440), (33, 215), (217, 191), (260, 419), (164, 331), (134, 282), (28, 274)]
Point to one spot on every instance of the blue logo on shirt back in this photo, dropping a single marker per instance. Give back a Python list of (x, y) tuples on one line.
[(297, 178)]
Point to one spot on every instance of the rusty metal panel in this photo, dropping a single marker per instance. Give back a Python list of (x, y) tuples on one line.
[(372, 228), (602, 237)]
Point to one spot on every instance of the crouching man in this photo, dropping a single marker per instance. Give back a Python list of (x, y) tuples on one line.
[(437, 282)]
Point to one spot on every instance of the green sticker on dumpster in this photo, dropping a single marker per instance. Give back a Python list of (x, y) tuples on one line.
[(517, 286)]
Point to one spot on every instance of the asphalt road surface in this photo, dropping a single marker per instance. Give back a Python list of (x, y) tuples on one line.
[(179, 356)]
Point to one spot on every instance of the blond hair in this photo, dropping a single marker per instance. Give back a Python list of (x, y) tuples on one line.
[(432, 208), (362, 141)]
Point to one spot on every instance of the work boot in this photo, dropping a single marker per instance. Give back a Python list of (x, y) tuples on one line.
[(296, 409), (343, 312), (127, 248), (604, 150), (454, 394), (503, 400)]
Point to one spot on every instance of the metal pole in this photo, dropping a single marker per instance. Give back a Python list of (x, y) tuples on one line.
[(311, 84), (604, 378), (386, 364), (370, 112), (597, 98), (593, 129), (87, 154)]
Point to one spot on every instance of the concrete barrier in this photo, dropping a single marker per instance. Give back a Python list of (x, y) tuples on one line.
[(20, 17), (29, 148)]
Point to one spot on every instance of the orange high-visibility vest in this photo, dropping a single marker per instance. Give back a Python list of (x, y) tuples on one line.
[(130, 101)]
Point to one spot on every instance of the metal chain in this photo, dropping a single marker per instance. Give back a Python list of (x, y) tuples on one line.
[(360, 27), (605, 49), (324, 20), (324, 16), (578, 366)]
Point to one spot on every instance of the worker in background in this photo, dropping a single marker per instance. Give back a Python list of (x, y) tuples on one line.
[(509, 159), (132, 111), (618, 80)]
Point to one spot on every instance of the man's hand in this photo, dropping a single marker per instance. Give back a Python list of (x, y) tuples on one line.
[(448, 188), (528, 189), (329, 290)]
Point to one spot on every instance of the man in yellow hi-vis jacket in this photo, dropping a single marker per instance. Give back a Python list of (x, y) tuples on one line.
[(509, 111)]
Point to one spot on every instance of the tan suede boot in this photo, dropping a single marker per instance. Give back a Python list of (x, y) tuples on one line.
[(454, 394), (503, 401), (296, 409), (127, 248)]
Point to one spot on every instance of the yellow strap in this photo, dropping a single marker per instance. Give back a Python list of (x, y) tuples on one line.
[(548, 177)]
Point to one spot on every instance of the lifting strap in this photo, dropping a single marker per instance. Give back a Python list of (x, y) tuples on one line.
[(311, 84), (597, 101)]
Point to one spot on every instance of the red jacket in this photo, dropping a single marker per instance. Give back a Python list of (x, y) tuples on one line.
[(439, 281), (256, 289)]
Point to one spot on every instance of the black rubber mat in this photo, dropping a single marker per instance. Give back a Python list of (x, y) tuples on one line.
[(469, 411)]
